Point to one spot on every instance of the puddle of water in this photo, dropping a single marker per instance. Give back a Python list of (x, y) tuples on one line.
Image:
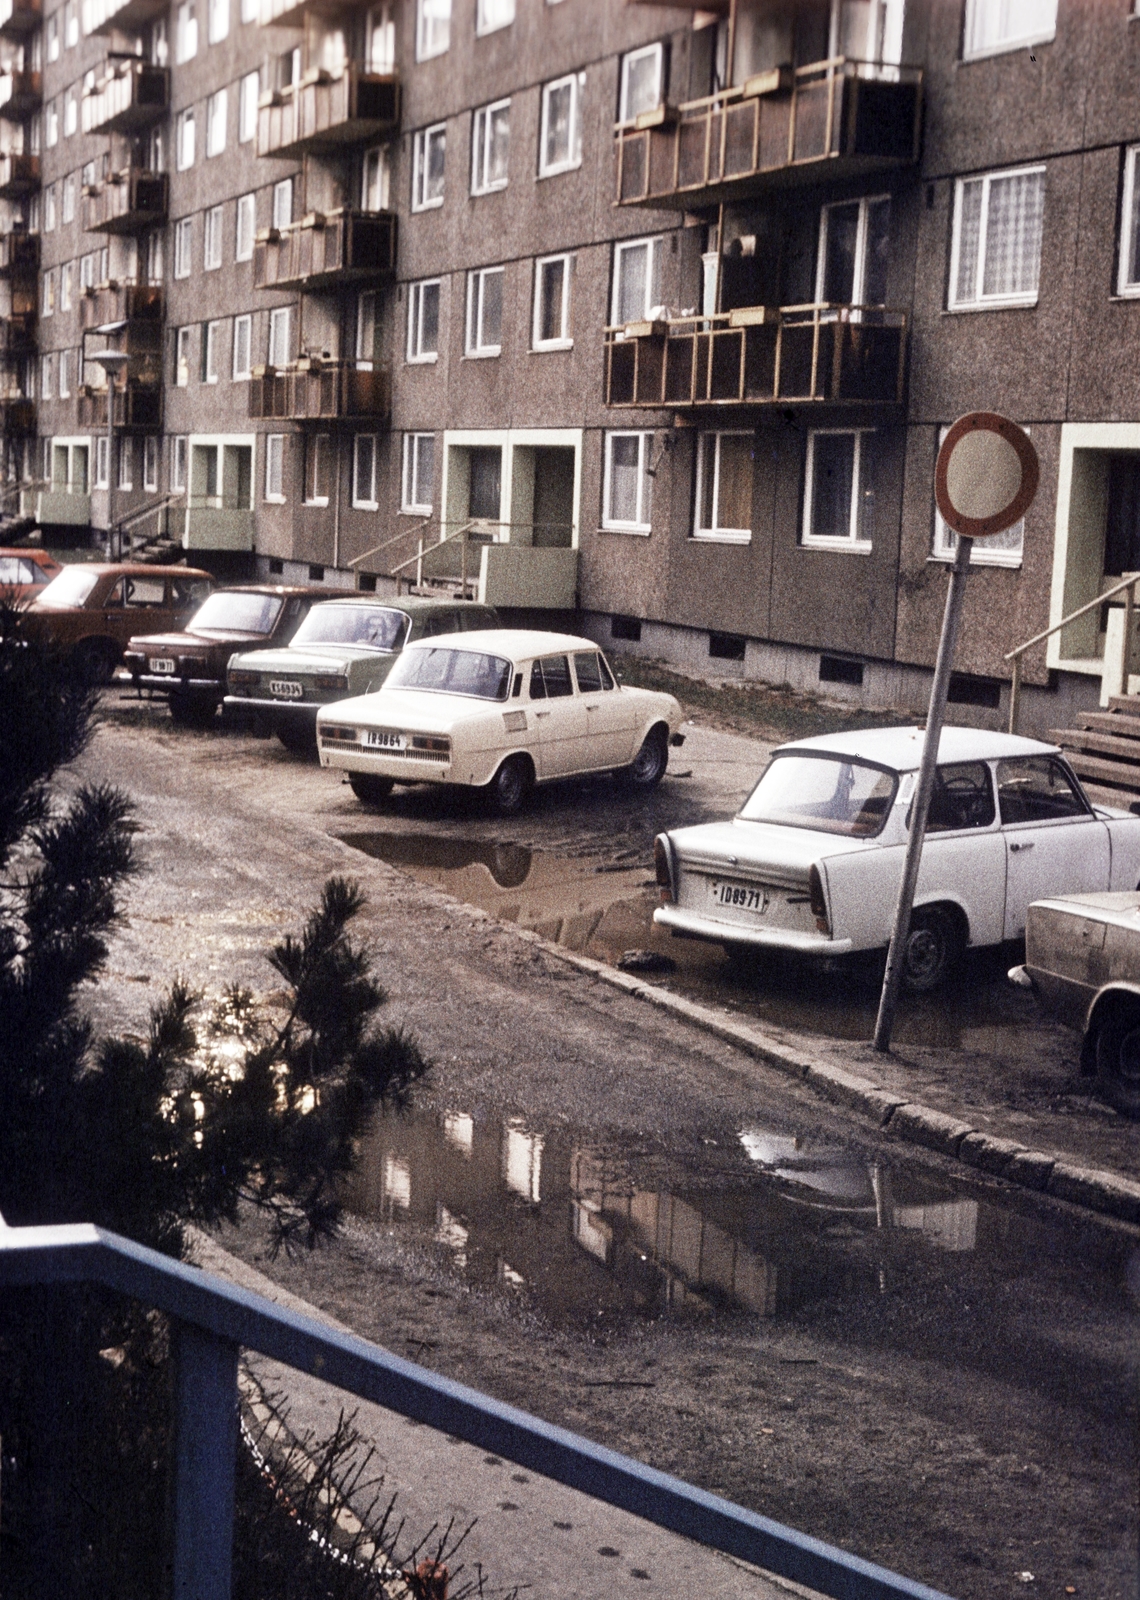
[(604, 908)]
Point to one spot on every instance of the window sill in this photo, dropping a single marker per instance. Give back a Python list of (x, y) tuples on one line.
[(1007, 47), (557, 170), (852, 547), (548, 345), (638, 532), (489, 354), (321, 500), (427, 205), (275, 500), (242, 377), (414, 511), (492, 188), (423, 361), (980, 558), (722, 536), (366, 505), (1021, 303)]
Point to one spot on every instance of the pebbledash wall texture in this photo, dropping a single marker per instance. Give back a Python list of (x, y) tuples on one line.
[(647, 314)]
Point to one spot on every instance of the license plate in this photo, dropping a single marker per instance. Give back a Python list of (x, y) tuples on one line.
[(285, 689), (161, 664), (740, 896), (384, 739)]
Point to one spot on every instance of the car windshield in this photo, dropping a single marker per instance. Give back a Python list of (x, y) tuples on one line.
[(371, 627), (71, 588), (452, 672), (830, 793), (237, 613)]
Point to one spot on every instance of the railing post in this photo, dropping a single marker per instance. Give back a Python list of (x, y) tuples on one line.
[(1126, 652), (420, 562), (205, 1455), (1015, 694)]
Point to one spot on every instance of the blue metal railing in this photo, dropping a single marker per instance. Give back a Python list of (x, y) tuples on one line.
[(213, 1319)]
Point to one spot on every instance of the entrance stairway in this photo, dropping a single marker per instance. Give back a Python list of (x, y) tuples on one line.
[(1104, 750)]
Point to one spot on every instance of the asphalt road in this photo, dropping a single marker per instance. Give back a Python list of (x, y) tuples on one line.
[(606, 1216)]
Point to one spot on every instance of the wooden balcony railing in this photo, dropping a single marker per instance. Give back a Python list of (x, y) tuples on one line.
[(137, 407), (779, 125), (126, 202), (321, 252), (21, 94), (320, 392), (19, 18), (19, 254), (19, 175), (139, 305), (129, 96), (17, 336), (321, 115), (124, 16), (760, 355)]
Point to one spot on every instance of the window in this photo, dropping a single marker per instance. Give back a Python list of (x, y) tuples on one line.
[(159, 48), (854, 247), (70, 113), (67, 209), (71, 24), (552, 303), (317, 446), (560, 137), (246, 225), (485, 312), (49, 289), (493, 14), (637, 292), (427, 167), (179, 452), (995, 550), (211, 345), (150, 461), (433, 28), (279, 337), (1128, 274), (213, 252), (184, 142), (423, 320), (996, 254), (51, 123), (490, 146), (249, 10), (47, 376), (243, 346), (186, 32), (217, 107), (283, 203), (126, 463), (102, 461), (87, 272), (625, 498), (53, 38), (993, 25), (380, 39), (364, 471), (275, 467), (839, 489), (375, 180), (724, 487), (49, 208), (642, 81), (65, 374), (182, 357), (419, 473), (247, 107), (183, 246), (219, 20), (65, 277), (366, 328), (1036, 789)]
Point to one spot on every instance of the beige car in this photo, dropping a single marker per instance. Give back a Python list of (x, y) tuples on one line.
[(499, 710)]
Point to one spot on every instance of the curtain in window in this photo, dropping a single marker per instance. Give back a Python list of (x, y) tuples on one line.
[(1013, 234), (832, 480), (625, 475)]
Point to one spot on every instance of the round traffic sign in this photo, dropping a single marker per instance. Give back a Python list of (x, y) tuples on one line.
[(986, 474)]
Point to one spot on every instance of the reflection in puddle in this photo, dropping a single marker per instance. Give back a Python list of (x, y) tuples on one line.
[(603, 908)]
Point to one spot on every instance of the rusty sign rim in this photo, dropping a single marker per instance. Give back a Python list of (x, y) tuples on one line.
[(988, 422)]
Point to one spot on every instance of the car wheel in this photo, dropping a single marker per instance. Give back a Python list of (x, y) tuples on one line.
[(507, 791), (648, 766), (299, 737), (95, 662), (1116, 1052), (368, 787), (193, 710), (933, 945)]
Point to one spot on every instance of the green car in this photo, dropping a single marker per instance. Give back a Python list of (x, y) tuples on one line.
[(344, 647)]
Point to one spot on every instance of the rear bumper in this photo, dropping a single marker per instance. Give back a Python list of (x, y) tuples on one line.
[(171, 682), (379, 764), (698, 927), (290, 710)]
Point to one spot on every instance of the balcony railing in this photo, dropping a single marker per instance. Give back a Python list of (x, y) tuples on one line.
[(19, 18), (321, 115), (126, 202), (137, 407), (17, 414), (19, 175), (124, 16), (21, 94), (321, 252), (139, 305), (17, 336), (19, 254), (327, 391), (777, 127), (130, 96), (760, 355)]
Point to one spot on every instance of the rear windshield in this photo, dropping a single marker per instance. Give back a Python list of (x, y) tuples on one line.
[(70, 588), (237, 613), (446, 671), (372, 627), (831, 794)]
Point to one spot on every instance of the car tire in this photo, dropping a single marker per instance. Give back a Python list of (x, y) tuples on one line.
[(933, 945), (369, 787), (193, 710), (647, 768), (298, 737), (1116, 1054), (95, 662), (508, 789)]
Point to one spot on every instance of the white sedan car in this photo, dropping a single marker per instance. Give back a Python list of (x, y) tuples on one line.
[(498, 710), (813, 860)]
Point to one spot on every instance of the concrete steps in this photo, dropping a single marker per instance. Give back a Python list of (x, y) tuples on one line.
[(1104, 750)]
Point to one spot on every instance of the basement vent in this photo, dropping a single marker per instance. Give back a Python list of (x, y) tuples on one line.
[(316, 574), (836, 669), (967, 691), (625, 628), (726, 646), (276, 568), (366, 582)]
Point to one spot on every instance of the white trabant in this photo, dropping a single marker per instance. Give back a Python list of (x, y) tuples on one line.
[(499, 710), (812, 861)]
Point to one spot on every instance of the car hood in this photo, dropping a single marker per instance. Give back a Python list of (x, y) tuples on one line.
[(190, 641), (1119, 907), (760, 844), (403, 708), (313, 658)]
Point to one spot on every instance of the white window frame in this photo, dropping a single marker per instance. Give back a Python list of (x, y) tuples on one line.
[(657, 49), (47, 376), (48, 295), (316, 445), (476, 289), (66, 273), (980, 301), (183, 247), (564, 341), (983, 553), (371, 503), (70, 113), (250, 10), (620, 249), (67, 199), (243, 335), (978, 12), (212, 347), (365, 344), (49, 208), (859, 284), (1129, 224), (375, 179), (421, 151), (102, 476), (186, 140), (283, 203), (212, 238), (852, 541), (482, 123), (716, 534), (65, 374), (577, 84), (179, 461), (71, 24), (279, 318), (217, 117), (491, 15), (642, 524), (185, 33), (245, 221), (126, 472), (51, 123), (416, 352), (52, 25), (150, 461), (433, 28), (218, 20), (248, 96), (411, 477), (182, 357), (275, 469)]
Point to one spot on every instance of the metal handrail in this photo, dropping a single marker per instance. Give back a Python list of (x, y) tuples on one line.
[(213, 1318), (1128, 582), (395, 539), (418, 559)]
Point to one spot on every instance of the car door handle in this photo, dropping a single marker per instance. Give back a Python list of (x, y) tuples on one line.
[(591, 708), (542, 713), (1025, 845)]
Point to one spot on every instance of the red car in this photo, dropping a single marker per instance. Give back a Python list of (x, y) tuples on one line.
[(24, 574)]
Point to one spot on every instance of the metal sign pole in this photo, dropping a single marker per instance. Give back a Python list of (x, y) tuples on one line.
[(896, 955)]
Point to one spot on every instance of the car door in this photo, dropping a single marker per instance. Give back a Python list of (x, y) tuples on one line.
[(559, 717), (610, 722), (1054, 844), (963, 853), (146, 607)]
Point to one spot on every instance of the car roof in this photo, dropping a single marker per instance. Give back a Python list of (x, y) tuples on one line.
[(518, 642), (901, 748), (412, 604), (140, 569), (33, 553), (288, 590)]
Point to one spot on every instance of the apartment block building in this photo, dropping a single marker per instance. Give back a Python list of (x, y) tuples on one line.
[(647, 316)]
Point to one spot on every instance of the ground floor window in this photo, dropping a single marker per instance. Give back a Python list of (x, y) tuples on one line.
[(102, 462), (179, 453), (839, 489), (318, 448), (275, 467), (995, 550), (625, 493), (419, 472), (150, 461), (364, 472), (724, 487)]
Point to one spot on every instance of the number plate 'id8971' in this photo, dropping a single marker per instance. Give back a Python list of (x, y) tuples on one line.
[(742, 896)]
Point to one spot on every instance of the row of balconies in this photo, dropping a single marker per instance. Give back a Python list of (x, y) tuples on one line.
[(127, 201), (19, 254), (138, 307), (129, 97), (120, 16), (323, 115), (322, 251), (320, 391), (21, 94), (19, 18)]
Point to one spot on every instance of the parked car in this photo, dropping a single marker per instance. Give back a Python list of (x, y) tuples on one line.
[(1082, 960), (499, 710), (813, 860), (190, 667), (344, 647), (25, 573), (92, 610)]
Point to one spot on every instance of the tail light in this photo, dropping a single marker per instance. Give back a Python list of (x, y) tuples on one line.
[(330, 680), (818, 903), (664, 868)]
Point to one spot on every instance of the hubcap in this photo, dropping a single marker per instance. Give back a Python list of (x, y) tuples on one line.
[(923, 954)]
